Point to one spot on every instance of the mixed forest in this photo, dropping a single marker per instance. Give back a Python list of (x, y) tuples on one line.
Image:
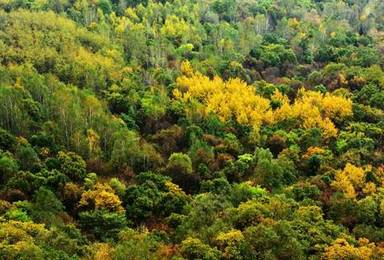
[(191, 129)]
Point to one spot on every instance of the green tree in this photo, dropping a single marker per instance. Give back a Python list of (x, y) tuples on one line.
[(193, 248), (72, 165), (179, 168)]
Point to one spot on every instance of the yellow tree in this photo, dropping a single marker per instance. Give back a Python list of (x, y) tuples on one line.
[(232, 99), (21, 240), (313, 110), (342, 249), (101, 197), (351, 181)]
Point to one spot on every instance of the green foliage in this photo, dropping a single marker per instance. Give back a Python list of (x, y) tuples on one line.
[(154, 195), (273, 173), (221, 129), (8, 165), (118, 186), (128, 151), (7, 140), (28, 158), (72, 53), (17, 214), (192, 248), (137, 245), (265, 242), (47, 207), (179, 168), (102, 224), (72, 165)]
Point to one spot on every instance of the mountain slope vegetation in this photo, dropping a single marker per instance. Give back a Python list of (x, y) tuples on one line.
[(209, 129)]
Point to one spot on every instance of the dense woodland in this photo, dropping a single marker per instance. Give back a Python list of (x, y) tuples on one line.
[(207, 129)]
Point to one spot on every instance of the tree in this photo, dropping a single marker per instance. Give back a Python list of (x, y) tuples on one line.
[(129, 151), (314, 110), (28, 240), (193, 248), (102, 213), (352, 181), (47, 207), (231, 243), (13, 111), (22, 245), (8, 166), (179, 168), (342, 249), (263, 242), (102, 224), (102, 196), (136, 245), (367, 210), (81, 62), (28, 158), (232, 99), (7, 140), (153, 196), (250, 213), (72, 165), (272, 173)]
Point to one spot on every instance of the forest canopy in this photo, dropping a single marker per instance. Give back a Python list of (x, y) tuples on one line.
[(220, 129)]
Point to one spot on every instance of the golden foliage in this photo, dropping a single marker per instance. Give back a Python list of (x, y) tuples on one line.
[(103, 251), (314, 109), (21, 238), (341, 249), (230, 237), (101, 197), (312, 151), (229, 242), (174, 188), (231, 99), (72, 190), (351, 181), (174, 27), (234, 99)]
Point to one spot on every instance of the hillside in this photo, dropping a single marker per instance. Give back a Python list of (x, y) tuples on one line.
[(209, 129)]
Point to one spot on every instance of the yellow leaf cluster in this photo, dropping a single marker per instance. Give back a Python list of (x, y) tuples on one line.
[(233, 99), (314, 109), (380, 174), (312, 151), (174, 188), (174, 27), (102, 197), (293, 22), (230, 237), (341, 249), (351, 181), (229, 243), (96, 61), (103, 251), (22, 231), (22, 238)]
